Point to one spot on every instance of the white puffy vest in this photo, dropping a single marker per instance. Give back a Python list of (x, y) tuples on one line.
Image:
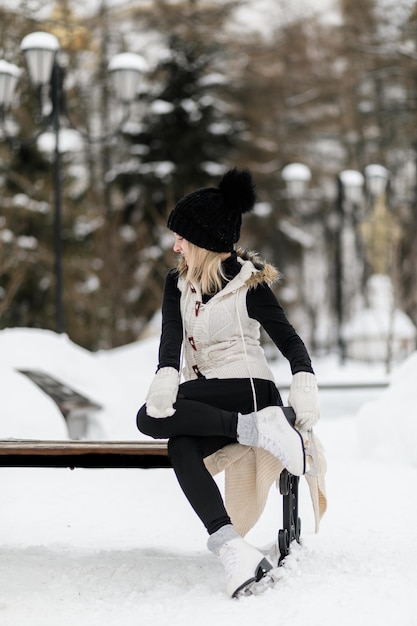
[(220, 339)]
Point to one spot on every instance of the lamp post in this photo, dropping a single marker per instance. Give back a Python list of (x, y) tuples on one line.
[(349, 196), (305, 228), (41, 51)]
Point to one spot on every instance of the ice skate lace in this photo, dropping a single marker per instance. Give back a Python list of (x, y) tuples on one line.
[(268, 443), (228, 557)]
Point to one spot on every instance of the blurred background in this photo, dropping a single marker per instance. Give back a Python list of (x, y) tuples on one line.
[(118, 108)]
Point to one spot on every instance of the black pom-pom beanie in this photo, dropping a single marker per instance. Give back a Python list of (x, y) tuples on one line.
[(211, 217)]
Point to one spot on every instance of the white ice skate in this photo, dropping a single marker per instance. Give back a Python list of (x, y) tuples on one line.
[(247, 570), (269, 429)]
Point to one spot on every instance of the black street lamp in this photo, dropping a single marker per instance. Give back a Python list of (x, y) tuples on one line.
[(306, 228), (41, 52), (349, 196)]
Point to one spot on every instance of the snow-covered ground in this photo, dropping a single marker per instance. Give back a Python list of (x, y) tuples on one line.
[(107, 547)]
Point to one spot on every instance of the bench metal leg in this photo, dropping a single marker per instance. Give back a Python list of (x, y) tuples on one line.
[(288, 486)]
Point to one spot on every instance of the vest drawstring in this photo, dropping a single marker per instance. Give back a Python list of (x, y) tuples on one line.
[(187, 297), (255, 403)]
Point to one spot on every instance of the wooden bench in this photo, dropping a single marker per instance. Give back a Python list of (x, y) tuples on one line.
[(88, 454)]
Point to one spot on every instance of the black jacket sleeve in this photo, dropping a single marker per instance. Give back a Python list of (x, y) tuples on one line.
[(263, 306), (171, 334)]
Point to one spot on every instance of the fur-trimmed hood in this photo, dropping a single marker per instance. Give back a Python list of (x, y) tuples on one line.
[(266, 273)]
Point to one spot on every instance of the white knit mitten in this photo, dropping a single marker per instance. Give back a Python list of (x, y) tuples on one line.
[(304, 399), (163, 393)]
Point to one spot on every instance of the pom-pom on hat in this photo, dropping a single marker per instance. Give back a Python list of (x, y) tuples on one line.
[(211, 217)]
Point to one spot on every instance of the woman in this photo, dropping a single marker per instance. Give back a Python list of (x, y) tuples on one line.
[(214, 304)]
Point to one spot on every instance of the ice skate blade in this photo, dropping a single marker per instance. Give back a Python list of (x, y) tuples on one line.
[(258, 587), (262, 570)]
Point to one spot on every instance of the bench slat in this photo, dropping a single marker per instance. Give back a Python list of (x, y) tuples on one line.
[(89, 454), (41, 446)]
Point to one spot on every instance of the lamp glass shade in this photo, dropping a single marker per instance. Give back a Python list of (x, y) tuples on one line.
[(40, 50), (376, 179), (352, 182), (126, 70), (9, 75), (296, 177)]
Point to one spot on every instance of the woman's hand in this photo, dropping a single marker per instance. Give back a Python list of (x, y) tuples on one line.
[(163, 393), (303, 398)]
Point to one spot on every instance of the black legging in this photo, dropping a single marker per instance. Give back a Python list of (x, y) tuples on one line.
[(205, 420)]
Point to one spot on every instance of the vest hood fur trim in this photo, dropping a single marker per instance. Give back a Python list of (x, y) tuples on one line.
[(266, 273)]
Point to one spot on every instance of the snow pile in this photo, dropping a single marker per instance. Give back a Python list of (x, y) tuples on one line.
[(387, 426), (115, 380)]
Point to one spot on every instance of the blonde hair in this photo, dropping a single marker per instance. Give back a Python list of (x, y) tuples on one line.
[(203, 267)]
